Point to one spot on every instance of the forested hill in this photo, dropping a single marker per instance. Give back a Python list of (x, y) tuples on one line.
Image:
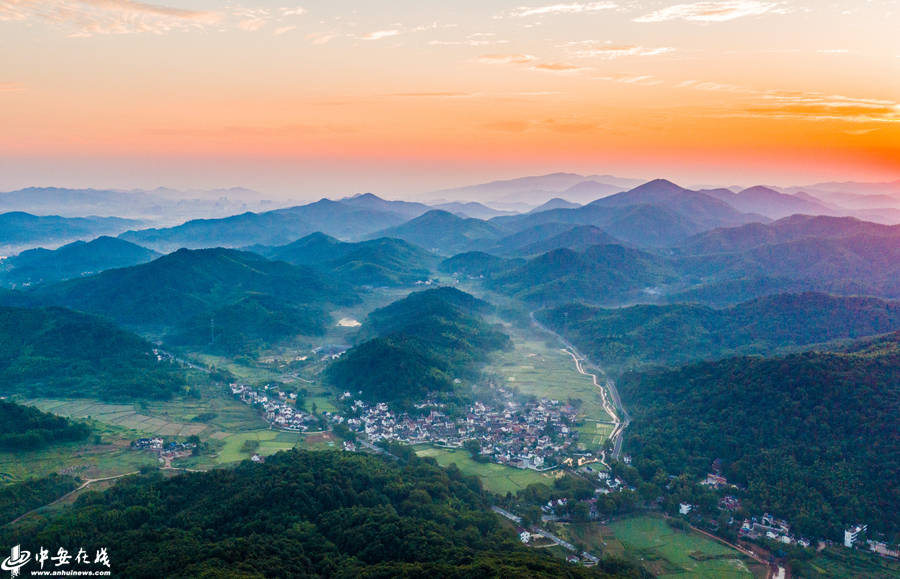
[(302, 514), (418, 345), (675, 334), (27, 428), (58, 352), (812, 436)]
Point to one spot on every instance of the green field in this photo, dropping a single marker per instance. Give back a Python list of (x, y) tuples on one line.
[(540, 367), (496, 478), (667, 552), (840, 562), (171, 418)]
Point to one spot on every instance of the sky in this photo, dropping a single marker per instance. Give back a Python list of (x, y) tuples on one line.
[(334, 97)]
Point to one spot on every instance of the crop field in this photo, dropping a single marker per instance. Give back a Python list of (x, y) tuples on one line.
[(82, 459), (496, 478), (542, 368), (176, 419), (669, 552)]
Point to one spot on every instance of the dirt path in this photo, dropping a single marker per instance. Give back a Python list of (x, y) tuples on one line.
[(84, 485)]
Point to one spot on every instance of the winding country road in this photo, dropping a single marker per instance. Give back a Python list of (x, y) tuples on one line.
[(612, 403)]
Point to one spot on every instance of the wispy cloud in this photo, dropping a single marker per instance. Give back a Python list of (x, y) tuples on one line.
[(716, 11), (820, 107), (474, 39), (636, 79), (379, 34), (506, 58), (320, 37), (567, 126), (565, 8), (556, 67), (89, 17), (437, 95), (98, 17), (608, 50)]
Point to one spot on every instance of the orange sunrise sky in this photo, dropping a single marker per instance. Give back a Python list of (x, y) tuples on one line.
[(319, 98)]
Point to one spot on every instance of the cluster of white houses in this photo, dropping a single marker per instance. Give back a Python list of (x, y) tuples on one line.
[(536, 435), (278, 407)]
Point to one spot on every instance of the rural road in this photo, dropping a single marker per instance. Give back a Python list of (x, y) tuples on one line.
[(611, 403)]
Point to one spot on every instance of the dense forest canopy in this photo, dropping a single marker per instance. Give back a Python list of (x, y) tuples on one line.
[(675, 334), (26, 428), (813, 436), (57, 352), (417, 345), (302, 514)]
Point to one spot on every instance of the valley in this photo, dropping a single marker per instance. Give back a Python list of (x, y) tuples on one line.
[(551, 371)]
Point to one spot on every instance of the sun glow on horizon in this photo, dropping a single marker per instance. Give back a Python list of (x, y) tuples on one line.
[(764, 90)]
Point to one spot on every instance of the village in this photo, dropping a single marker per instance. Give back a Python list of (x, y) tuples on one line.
[(536, 435)]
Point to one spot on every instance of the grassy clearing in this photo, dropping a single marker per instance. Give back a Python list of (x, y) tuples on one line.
[(496, 478), (840, 562), (272, 441), (668, 552)]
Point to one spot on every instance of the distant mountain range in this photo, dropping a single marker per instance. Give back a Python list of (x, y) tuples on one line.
[(77, 259), (20, 230), (186, 289), (444, 232), (379, 262), (161, 205)]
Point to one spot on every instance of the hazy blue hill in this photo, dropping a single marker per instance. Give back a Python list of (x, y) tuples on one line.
[(765, 201), (471, 209), (270, 228), (342, 220), (304, 514), (600, 274), (19, 229), (76, 259), (863, 265), (578, 238), (235, 231), (477, 264), (378, 262), (650, 226), (177, 287), (416, 346), (793, 228), (383, 262), (312, 249), (556, 203), (512, 244), (702, 209), (591, 190), (675, 334), (650, 216), (405, 209), (57, 352), (812, 437), (443, 231)]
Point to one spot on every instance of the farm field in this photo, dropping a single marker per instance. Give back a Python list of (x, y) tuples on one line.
[(542, 368), (496, 478), (668, 552), (840, 562)]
